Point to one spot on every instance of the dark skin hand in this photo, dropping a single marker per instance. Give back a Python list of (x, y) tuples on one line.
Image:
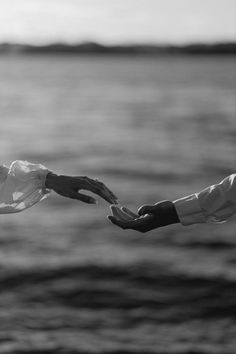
[(68, 186), (149, 217)]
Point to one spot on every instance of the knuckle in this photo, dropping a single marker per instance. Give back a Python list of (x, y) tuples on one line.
[(96, 188), (144, 206)]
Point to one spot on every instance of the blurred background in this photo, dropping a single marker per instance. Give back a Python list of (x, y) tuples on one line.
[(140, 94)]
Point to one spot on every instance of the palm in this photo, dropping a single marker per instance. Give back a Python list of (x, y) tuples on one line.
[(126, 219)]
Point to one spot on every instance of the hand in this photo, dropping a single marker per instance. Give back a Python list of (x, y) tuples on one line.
[(149, 217), (69, 187)]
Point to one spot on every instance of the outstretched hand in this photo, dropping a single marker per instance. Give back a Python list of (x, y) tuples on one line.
[(69, 187), (149, 217)]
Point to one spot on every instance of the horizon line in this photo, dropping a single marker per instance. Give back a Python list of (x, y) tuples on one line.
[(117, 44), (215, 48)]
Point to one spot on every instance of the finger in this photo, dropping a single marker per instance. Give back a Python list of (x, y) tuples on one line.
[(119, 214), (129, 212), (144, 219), (117, 222), (82, 197), (100, 189), (123, 214), (112, 195), (146, 209)]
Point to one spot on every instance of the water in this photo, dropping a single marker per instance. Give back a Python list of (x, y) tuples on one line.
[(151, 129)]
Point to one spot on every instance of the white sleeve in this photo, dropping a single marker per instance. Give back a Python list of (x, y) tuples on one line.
[(213, 204), (21, 186)]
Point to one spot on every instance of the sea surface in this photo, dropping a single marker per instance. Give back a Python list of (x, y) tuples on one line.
[(151, 129)]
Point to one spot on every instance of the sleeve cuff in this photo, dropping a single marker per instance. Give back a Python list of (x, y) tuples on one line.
[(189, 210), (3, 173), (23, 187), (26, 171)]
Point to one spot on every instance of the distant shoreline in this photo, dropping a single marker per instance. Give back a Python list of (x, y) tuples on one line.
[(132, 49)]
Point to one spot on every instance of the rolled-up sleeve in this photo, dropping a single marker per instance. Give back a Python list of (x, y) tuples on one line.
[(21, 186), (213, 204)]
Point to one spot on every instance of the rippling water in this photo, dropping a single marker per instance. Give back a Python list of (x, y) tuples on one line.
[(151, 129)]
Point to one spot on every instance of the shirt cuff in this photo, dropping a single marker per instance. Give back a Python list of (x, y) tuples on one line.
[(189, 210)]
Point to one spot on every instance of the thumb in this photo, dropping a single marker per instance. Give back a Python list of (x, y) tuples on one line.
[(146, 209)]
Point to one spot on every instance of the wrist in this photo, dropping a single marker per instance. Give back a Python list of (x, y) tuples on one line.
[(50, 180), (174, 218), (168, 213)]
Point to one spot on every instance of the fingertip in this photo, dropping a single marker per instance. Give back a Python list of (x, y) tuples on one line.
[(125, 209), (113, 207), (112, 201)]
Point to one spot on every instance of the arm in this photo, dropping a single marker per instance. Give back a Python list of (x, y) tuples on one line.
[(25, 184), (214, 204)]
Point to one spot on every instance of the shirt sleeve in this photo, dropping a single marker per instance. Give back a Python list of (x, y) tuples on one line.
[(213, 204), (21, 186)]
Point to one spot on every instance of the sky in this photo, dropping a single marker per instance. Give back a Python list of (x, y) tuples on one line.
[(117, 21)]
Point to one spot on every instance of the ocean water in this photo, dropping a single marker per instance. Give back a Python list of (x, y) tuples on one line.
[(151, 129)]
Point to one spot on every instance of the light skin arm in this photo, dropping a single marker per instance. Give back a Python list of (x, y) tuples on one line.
[(70, 186)]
